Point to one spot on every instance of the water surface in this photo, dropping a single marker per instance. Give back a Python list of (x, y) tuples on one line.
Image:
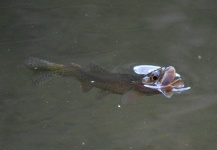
[(113, 34)]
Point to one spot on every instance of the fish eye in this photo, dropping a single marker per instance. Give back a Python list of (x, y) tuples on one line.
[(154, 76)]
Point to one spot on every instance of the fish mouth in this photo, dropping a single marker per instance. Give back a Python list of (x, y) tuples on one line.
[(165, 76), (168, 83)]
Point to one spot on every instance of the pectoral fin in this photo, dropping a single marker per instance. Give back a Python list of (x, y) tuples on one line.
[(131, 96)]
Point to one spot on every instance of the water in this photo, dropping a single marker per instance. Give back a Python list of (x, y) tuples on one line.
[(113, 34)]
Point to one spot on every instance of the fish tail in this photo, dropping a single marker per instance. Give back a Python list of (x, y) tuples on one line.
[(44, 71), (40, 64)]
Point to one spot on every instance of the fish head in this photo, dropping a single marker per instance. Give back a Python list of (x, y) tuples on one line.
[(153, 77), (161, 76), (167, 83)]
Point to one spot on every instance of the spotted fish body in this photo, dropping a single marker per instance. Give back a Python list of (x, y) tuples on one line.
[(128, 85)]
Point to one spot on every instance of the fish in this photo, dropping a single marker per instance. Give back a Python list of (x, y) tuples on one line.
[(128, 85)]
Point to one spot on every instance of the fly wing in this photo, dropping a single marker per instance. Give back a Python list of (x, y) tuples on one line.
[(166, 92), (169, 76), (145, 69), (176, 86), (181, 89)]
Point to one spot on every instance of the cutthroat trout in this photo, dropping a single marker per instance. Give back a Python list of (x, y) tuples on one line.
[(128, 85)]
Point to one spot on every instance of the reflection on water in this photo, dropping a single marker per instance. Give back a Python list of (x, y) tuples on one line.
[(112, 34)]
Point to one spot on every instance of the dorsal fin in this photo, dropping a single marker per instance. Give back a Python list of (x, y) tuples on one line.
[(97, 69)]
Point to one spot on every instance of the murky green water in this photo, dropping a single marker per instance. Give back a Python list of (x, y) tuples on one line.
[(112, 34)]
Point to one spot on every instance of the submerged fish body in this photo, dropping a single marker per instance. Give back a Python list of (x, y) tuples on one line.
[(128, 85)]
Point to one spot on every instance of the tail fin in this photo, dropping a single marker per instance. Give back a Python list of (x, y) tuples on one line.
[(44, 71), (40, 64)]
